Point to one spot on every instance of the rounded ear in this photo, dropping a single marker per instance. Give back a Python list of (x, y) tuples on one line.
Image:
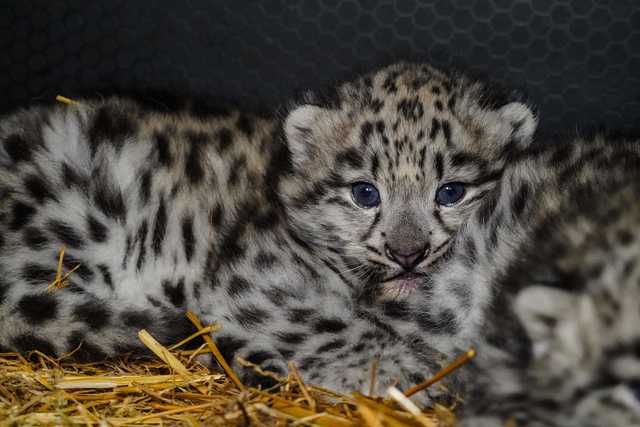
[(522, 121), (299, 129), (308, 129)]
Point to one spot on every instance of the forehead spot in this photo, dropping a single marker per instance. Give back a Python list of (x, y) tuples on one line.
[(435, 128), (423, 154), (377, 105), (350, 157), (365, 132), (446, 131), (452, 102), (439, 165), (375, 163), (419, 82), (390, 83), (411, 109)]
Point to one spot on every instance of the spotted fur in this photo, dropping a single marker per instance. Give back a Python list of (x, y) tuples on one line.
[(559, 245), (250, 222)]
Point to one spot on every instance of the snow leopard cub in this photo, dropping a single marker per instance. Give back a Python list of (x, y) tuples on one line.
[(303, 237), (560, 242)]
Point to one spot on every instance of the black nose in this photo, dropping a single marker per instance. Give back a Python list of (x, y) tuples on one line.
[(407, 258)]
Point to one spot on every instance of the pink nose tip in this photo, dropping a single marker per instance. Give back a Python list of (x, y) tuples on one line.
[(407, 259)]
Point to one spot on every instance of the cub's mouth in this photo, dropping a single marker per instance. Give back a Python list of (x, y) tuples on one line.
[(400, 286)]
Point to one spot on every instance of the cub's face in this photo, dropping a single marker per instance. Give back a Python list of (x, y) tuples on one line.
[(384, 178)]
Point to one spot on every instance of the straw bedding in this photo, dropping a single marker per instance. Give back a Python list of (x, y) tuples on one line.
[(175, 389)]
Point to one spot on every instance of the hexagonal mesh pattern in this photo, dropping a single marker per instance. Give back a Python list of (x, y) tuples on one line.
[(578, 60)]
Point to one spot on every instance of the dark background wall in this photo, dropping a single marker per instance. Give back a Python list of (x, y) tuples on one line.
[(577, 60)]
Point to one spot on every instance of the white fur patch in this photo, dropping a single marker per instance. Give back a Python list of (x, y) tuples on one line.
[(521, 119)]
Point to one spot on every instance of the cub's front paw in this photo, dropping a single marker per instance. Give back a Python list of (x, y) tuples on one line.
[(400, 371)]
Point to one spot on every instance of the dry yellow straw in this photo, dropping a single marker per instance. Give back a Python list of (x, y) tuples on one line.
[(301, 384), (71, 382), (166, 356), (143, 392), (461, 360), (61, 281), (206, 330), (65, 100), (216, 352), (59, 269), (381, 412), (291, 408), (410, 407), (163, 353), (371, 418)]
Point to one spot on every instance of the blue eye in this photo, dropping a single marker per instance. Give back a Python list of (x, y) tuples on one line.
[(449, 194), (365, 195)]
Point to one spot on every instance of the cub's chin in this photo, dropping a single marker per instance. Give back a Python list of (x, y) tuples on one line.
[(400, 287)]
